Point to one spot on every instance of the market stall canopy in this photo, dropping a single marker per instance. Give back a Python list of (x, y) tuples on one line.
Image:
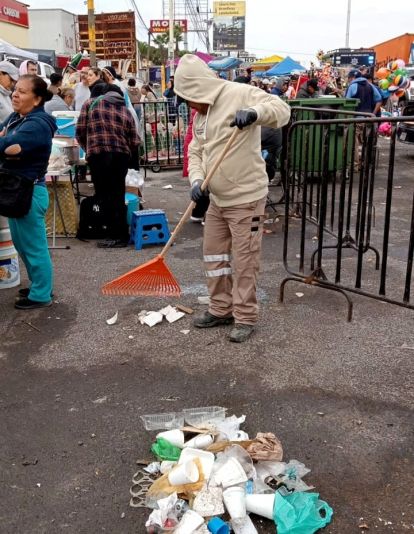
[(10, 50), (225, 63), (205, 57), (271, 60), (287, 66)]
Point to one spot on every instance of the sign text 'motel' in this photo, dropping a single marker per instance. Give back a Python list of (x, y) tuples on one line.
[(14, 13), (163, 25)]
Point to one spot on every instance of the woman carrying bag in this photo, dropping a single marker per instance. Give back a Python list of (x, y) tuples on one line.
[(25, 146)]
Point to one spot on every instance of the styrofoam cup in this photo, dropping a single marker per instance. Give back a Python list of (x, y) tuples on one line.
[(231, 473), (235, 501), (261, 504), (186, 473), (202, 441), (175, 437), (189, 523), (166, 466)]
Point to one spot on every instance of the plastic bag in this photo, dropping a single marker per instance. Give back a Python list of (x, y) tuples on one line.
[(134, 178), (293, 474), (239, 454), (300, 513), (163, 450)]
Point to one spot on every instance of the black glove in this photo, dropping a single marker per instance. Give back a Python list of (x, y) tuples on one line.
[(243, 118), (195, 191)]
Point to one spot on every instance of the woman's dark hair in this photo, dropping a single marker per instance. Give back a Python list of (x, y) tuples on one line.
[(132, 82), (98, 88), (39, 87), (111, 87), (148, 89), (96, 71)]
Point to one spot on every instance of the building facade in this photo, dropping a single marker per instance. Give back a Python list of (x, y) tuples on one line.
[(14, 23), (53, 29)]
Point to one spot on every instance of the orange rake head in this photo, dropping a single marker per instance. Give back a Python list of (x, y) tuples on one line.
[(152, 279)]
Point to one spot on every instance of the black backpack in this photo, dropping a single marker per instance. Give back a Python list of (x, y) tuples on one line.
[(92, 224)]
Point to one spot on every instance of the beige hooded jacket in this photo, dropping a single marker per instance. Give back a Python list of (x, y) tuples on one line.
[(241, 178)]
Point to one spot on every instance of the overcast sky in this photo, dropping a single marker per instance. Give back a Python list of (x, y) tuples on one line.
[(297, 27)]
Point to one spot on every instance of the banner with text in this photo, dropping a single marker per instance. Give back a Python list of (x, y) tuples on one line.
[(229, 25)]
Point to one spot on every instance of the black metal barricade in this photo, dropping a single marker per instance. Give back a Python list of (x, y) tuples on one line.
[(163, 128), (349, 216)]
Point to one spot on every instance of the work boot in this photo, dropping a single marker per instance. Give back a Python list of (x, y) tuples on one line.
[(208, 320), (241, 332), (27, 304)]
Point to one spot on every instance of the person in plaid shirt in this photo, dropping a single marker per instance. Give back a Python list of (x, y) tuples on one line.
[(107, 133)]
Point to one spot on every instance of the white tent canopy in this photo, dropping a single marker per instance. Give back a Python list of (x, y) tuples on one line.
[(10, 50)]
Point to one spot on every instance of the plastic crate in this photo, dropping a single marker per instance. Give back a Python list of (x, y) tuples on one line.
[(204, 415), (163, 421)]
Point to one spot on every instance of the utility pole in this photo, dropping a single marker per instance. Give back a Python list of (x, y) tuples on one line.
[(171, 36), (348, 23), (92, 33)]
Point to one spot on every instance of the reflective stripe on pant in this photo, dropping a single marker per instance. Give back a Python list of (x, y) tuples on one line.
[(29, 238), (235, 231)]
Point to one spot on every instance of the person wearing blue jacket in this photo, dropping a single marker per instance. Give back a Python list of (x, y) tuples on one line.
[(25, 146)]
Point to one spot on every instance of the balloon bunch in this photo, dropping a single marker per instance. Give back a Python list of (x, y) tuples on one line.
[(393, 78)]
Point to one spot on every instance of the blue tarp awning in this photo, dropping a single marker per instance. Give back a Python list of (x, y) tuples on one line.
[(225, 63), (287, 66)]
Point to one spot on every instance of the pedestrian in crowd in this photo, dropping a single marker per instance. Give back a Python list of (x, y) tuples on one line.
[(106, 131), (56, 81), (134, 93), (148, 94), (9, 74), (28, 67), (370, 101), (238, 190), (280, 87), (111, 77), (62, 101), (169, 94), (254, 83), (82, 92), (244, 78), (25, 146), (291, 92), (309, 89), (266, 85), (95, 81)]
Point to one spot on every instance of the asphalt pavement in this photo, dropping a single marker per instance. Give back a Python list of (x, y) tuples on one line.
[(72, 389)]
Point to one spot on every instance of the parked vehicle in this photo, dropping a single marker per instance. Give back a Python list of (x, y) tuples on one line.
[(405, 130)]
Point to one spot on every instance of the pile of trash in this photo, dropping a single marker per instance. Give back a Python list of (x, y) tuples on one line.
[(210, 475)]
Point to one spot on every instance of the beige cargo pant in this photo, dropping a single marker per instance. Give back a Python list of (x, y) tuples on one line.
[(232, 245)]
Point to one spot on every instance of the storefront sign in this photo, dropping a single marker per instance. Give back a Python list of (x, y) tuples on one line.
[(163, 25), (14, 13), (229, 26)]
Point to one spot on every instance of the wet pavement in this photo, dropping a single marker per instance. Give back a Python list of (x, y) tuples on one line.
[(338, 395)]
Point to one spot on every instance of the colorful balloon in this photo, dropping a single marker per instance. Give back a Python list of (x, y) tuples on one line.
[(393, 88), (397, 79), (384, 84), (400, 93), (400, 63), (383, 73)]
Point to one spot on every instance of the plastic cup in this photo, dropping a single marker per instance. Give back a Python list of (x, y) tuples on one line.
[(186, 473), (200, 442), (261, 504), (218, 526), (166, 466), (231, 473), (175, 437), (235, 501), (189, 523)]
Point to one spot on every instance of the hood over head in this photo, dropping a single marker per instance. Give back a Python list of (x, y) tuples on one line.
[(195, 82), (114, 95)]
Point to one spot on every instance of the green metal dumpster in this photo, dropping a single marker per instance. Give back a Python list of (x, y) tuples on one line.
[(314, 134)]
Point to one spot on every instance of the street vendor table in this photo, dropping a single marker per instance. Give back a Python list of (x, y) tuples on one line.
[(54, 175)]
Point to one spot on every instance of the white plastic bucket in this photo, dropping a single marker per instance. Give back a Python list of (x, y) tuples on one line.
[(9, 266)]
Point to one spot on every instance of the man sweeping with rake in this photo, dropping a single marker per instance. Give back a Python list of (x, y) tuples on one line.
[(238, 189)]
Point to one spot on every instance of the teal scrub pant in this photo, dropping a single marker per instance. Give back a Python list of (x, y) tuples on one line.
[(29, 238)]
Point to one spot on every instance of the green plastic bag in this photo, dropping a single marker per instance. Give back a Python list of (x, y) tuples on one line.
[(300, 513), (164, 450)]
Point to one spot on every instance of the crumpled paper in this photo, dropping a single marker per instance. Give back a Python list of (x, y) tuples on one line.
[(266, 446)]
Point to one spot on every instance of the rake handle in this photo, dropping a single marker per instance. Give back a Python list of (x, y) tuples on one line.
[(203, 186)]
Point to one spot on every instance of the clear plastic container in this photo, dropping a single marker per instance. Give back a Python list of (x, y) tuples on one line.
[(204, 415), (163, 421)]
